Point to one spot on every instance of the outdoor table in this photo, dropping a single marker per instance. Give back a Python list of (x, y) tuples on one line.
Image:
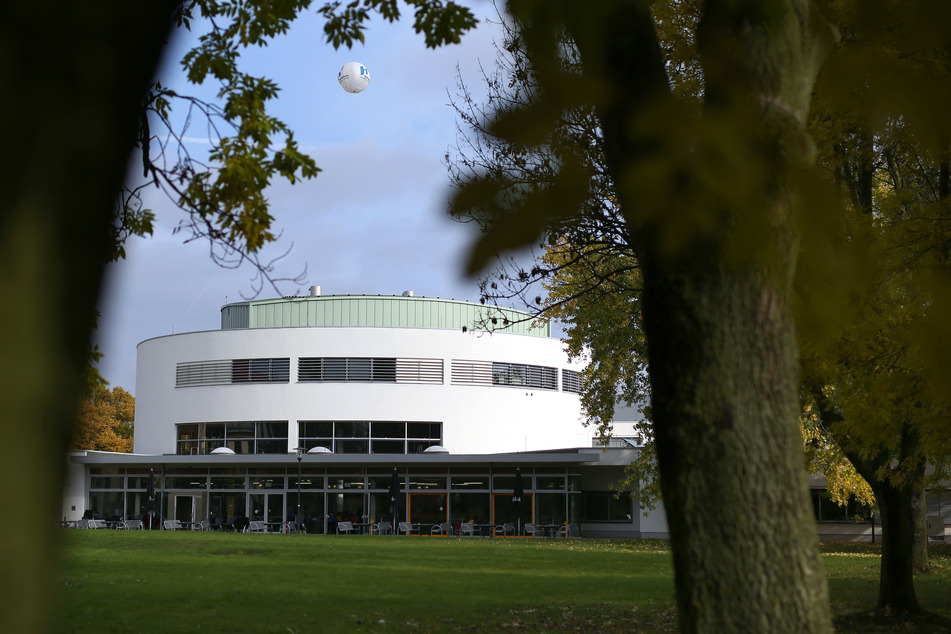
[(485, 530), (362, 527), (552, 529)]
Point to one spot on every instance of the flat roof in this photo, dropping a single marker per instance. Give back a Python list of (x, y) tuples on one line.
[(583, 455)]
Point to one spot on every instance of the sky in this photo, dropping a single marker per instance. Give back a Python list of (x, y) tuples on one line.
[(372, 222)]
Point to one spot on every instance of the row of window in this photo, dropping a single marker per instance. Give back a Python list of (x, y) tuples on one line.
[(352, 437), (374, 370), (587, 506)]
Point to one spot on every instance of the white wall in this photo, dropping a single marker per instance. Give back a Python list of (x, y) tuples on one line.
[(476, 419)]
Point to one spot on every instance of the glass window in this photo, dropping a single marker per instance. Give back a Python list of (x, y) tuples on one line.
[(272, 429), (98, 482), (316, 429), (430, 431), (227, 483), (388, 430), (388, 446), (470, 507), (549, 483), (352, 429), (427, 482), (186, 482), (603, 506), (352, 446), (469, 482)]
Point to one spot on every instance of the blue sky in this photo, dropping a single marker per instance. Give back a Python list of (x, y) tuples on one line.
[(373, 221)]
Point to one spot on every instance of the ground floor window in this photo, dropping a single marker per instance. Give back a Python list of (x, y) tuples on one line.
[(428, 496), (607, 506), (826, 510)]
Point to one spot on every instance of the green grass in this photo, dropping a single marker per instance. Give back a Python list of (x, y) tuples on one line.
[(139, 581)]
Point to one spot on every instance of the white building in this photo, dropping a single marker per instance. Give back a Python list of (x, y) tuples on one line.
[(375, 381), (358, 374)]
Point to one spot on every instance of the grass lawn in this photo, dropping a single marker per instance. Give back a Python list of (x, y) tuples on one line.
[(140, 581)]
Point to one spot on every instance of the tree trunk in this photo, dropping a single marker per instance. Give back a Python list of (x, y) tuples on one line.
[(896, 503), (919, 509), (74, 78), (722, 351), (724, 384), (896, 589)]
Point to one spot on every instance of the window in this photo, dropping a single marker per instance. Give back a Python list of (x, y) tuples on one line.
[(226, 372), (604, 506), (243, 437), (377, 437), (539, 377), (570, 381), (828, 511), (260, 370), (368, 370), (531, 376)]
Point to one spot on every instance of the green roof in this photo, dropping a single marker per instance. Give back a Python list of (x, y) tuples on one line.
[(383, 311)]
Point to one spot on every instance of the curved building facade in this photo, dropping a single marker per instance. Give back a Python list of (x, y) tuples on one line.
[(358, 375)]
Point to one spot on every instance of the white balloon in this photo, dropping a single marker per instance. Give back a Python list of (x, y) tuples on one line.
[(354, 77)]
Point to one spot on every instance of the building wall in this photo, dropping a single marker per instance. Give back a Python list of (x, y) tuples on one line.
[(476, 419)]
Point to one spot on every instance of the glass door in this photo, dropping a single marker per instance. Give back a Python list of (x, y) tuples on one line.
[(267, 507)]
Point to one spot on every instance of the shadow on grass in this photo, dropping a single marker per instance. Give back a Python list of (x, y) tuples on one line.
[(926, 622)]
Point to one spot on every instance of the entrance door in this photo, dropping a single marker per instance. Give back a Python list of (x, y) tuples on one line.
[(185, 508), (267, 507)]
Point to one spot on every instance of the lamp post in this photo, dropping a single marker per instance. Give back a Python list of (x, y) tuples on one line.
[(300, 455)]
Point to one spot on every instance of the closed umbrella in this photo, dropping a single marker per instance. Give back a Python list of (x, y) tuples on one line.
[(517, 501), (150, 494), (395, 498)]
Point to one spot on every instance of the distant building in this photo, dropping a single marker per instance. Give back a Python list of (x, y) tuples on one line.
[(455, 395)]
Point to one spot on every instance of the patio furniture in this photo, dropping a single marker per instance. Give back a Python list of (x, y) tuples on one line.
[(444, 529), (381, 528), (257, 526), (95, 523), (172, 525), (505, 529), (345, 527), (131, 525), (408, 529), (535, 530), (467, 529)]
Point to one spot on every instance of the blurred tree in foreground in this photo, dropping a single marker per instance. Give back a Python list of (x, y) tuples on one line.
[(82, 76), (713, 208)]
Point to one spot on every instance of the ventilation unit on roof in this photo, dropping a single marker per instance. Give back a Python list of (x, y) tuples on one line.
[(315, 291), (409, 294)]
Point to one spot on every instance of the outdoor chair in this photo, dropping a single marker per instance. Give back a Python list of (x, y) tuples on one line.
[(344, 527), (534, 530), (467, 529), (444, 529), (131, 525), (407, 529), (257, 526), (505, 529), (95, 523), (172, 525), (568, 531), (381, 528), (203, 525)]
